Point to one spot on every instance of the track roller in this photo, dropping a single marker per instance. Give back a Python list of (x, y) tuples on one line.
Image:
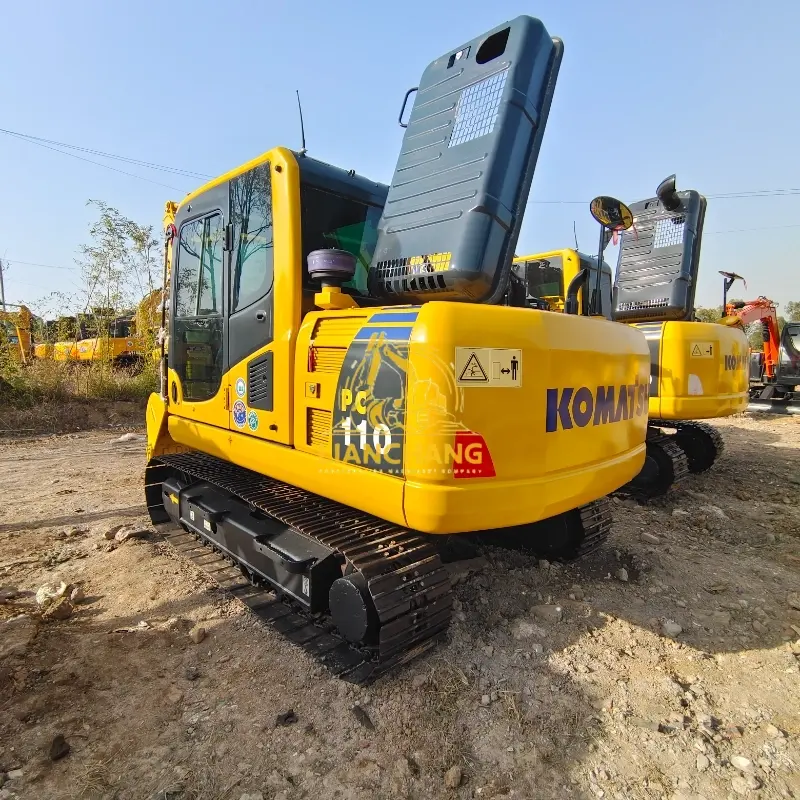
[(352, 609), (665, 464)]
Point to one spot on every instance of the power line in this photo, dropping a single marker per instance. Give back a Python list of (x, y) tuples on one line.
[(99, 164), (743, 230), (43, 142), (33, 264), (728, 196), (149, 164), (705, 233)]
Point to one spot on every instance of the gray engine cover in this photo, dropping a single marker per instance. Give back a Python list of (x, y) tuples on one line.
[(658, 261), (454, 208)]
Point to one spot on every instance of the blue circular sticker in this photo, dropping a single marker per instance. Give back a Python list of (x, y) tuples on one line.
[(252, 421), (241, 387), (239, 413)]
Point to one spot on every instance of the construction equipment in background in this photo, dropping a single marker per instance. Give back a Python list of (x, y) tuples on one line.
[(698, 369), (55, 348), (116, 341), (544, 277), (774, 372), (119, 345), (318, 426), (16, 333)]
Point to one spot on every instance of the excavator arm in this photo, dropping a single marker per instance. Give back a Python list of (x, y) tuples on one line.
[(759, 310)]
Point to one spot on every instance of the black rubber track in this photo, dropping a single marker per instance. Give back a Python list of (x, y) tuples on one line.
[(410, 587), (406, 580), (666, 465), (702, 443), (567, 537)]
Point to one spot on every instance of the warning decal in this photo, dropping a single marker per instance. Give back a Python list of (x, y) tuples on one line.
[(473, 371), (701, 349), (487, 366)]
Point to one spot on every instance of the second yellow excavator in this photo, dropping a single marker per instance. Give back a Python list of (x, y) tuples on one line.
[(345, 382), (698, 370), (16, 333)]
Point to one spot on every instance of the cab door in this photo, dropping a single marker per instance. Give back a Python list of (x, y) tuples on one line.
[(258, 359), (197, 389)]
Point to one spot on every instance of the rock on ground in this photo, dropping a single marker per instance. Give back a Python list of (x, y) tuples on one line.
[(453, 776)]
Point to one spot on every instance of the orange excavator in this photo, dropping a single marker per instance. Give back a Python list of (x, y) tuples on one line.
[(775, 370)]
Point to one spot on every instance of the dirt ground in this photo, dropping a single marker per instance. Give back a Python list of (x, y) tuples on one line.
[(663, 666)]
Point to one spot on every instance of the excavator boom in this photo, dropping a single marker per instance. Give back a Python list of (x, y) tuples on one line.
[(764, 311)]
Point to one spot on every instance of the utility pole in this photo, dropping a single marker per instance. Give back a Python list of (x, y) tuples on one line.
[(2, 288)]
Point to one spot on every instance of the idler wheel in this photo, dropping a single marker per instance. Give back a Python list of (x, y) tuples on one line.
[(352, 609)]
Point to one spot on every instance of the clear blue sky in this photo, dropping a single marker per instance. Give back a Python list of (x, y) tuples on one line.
[(704, 88)]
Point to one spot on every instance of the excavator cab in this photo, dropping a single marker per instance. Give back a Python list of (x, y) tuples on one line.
[(544, 278)]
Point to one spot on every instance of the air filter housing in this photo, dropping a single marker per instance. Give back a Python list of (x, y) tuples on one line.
[(331, 267)]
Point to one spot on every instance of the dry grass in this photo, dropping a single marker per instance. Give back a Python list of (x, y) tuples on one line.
[(445, 692), (57, 397), (95, 777), (447, 684), (24, 386)]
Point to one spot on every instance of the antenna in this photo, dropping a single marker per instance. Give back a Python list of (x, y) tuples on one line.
[(575, 232), (302, 128)]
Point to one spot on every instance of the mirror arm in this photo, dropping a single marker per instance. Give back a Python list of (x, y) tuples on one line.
[(596, 309), (571, 301)]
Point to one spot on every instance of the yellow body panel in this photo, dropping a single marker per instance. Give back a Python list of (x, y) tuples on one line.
[(60, 351), (688, 383), (104, 348), (700, 370), (373, 407), (99, 348), (541, 468)]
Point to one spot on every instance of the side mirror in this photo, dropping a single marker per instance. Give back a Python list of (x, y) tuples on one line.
[(667, 195), (611, 213)]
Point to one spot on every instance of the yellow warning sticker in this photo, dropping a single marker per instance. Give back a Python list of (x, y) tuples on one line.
[(701, 349), (488, 366)]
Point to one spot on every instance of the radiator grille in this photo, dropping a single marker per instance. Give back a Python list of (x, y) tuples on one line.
[(344, 327), (318, 428), (328, 359), (669, 232)]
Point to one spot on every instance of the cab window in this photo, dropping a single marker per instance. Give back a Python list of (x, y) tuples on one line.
[(252, 256), (334, 221), (197, 356), (543, 277), (199, 290)]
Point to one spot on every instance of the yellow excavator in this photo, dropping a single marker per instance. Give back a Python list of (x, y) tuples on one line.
[(16, 333), (324, 428), (125, 341), (699, 370)]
